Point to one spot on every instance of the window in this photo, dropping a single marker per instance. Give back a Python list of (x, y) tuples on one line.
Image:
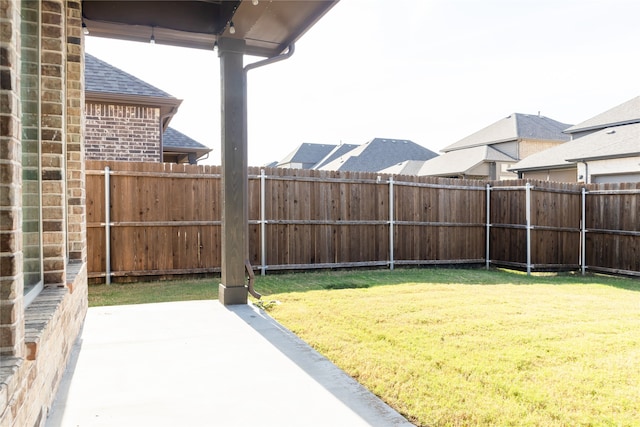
[(31, 168)]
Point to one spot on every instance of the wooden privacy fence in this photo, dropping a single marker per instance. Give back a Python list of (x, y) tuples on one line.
[(164, 219)]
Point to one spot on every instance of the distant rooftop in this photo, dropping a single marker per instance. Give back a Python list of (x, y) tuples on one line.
[(337, 151), (625, 113), (378, 154), (512, 128), (307, 154), (459, 162), (408, 167), (619, 141)]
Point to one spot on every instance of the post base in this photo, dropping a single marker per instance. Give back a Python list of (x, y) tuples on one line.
[(230, 295)]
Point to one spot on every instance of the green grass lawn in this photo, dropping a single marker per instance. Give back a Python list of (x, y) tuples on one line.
[(463, 347)]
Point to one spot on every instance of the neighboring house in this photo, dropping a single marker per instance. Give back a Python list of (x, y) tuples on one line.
[(128, 119), (338, 150), (610, 155), (604, 148), (408, 167), (624, 114), (313, 156), (179, 148), (376, 155), (306, 156), (490, 152), (481, 162)]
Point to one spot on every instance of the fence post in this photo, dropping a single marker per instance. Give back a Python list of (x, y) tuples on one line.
[(107, 224), (488, 213), (528, 218), (263, 224), (391, 223), (583, 232)]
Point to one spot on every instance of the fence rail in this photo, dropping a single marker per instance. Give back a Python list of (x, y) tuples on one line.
[(165, 219)]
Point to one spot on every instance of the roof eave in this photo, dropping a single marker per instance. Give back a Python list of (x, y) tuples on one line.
[(171, 149), (460, 172), (128, 99), (606, 157), (544, 167), (571, 131), (488, 144), (168, 106)]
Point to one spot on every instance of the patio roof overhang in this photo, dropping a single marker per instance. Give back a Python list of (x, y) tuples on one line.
[(268, 27)]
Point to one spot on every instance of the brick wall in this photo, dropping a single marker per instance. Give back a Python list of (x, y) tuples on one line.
[(26, 395), (122, 133), (11, 280), (36, 342), (76, 196), (53, 137)]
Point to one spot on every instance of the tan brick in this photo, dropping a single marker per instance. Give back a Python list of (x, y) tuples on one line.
[(9, 335), (10, 219), (52, 238), (54, 278)]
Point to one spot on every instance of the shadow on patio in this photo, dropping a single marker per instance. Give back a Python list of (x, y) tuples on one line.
[(198, 363)]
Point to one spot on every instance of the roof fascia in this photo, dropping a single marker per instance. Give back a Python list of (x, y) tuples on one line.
[(168, 106), (126, 99), (571, 131), (545, 167), (605, 157), (488, 144), (173, 148)]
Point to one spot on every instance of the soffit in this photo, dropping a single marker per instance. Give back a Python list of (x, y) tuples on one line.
[(267, 27)]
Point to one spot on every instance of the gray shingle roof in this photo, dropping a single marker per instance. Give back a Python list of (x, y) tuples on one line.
[(619, 141), (459, 162), (625, 113), (379, 154), (512, 128), (338, 151), (105, 78), (613, 142), (308, 154), (172, 138)]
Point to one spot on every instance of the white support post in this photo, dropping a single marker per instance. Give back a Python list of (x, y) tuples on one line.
[(528, 217), (391, 223), (263, 224), (583, 232), (488, 233), (107, 224)]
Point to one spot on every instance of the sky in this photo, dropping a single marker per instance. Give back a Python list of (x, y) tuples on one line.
[(430, 71)]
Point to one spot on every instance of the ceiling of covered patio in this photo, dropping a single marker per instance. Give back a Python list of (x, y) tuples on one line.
[(268, 27)]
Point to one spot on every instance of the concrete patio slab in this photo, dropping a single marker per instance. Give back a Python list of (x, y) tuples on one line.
[(199, 363)]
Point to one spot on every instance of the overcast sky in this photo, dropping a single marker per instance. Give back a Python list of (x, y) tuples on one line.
[(431, 71)]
